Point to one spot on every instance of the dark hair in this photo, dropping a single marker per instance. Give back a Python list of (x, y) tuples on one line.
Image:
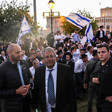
[(65, 49), (59, 52), (83, 56), (89, 47), (68, 53), (94, 53), (103, 45), (101, 26), (72, 48)]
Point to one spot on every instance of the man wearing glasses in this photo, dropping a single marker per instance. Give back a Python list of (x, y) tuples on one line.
[(54, 89)]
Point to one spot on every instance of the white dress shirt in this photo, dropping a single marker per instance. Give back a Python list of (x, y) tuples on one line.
[(32, 70), (101, 34), (79, 66), (90, 56), (54, 74)]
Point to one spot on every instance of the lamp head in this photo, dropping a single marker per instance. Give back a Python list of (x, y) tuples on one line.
[(51, 4)]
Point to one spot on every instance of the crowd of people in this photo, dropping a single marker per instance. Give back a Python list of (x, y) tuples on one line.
[(52, 78)]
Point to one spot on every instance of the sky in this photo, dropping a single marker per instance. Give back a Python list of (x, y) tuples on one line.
[(67, 6)]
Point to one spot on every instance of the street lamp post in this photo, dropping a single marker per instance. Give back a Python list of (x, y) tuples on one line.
[(51, 5), (35, 15)]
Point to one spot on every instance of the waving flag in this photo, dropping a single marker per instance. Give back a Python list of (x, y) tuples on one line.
[(83, 40), (25, 29), (89, 32), (78, 20)]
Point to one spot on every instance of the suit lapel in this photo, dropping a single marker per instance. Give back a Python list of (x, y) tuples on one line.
[(43, 85), (58, 82)]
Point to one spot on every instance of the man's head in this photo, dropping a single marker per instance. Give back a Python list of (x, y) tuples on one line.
[(49, 57), (101, 27), (60, 54), (84, 58), (75, 30), (38, 54), (82, 52), (35, 63), (68, 56), (103, 52), (90, 49), (3, 53), (14, 52), (95, 54)]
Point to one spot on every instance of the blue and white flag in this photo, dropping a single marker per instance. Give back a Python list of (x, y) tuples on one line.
[(83, 40), (78, 20), (25, 29), (89, 32)]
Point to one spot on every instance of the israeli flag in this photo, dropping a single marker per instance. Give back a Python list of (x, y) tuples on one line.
[(78, 20), (25, 29), (83, 40), (89, 32)]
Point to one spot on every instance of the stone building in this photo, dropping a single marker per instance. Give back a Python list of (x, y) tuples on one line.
[(105, 18)]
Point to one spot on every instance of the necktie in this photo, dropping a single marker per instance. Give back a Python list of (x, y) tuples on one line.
[(51, 96)]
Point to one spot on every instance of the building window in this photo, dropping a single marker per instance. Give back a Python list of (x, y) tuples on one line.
[(108, 27)]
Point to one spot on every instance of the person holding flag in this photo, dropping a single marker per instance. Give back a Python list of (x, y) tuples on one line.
[(25, 29)]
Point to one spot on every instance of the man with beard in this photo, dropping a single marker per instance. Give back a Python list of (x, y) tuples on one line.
[(15, 80), (54, 89)]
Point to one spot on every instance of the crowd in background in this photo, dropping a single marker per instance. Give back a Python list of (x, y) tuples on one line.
[(69, 51)]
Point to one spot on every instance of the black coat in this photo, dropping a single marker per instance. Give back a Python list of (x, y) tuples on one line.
[(98, 34), (9, 82), (1, 59), (105, 86), (65, 93), (92, 66), (71, 64)]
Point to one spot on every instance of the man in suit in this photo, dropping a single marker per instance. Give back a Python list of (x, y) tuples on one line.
[(101, 34), (54, 89), (69, 61)]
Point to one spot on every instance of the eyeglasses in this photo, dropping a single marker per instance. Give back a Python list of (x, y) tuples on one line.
[(47, 57)]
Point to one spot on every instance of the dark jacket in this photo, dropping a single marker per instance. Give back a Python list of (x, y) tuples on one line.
[(1, 59), (65, 92), (71, 64), (92, 66), (105, 85), (9, 82), (98, 34)]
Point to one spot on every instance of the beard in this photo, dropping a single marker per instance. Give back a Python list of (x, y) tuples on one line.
[(16, 59)]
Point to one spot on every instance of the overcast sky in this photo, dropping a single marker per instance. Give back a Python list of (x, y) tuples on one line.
[(67, 6)]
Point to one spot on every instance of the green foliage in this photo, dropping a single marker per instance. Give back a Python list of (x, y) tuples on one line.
[(11, 15), (68, 28)]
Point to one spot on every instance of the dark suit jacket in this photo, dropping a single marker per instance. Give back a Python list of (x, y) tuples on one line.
[(1, 59), (98, 34), (71, 64), (65, 93)]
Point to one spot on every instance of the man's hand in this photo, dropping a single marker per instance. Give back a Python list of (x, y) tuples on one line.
[(95, 80), (27, 89), (108, 98), (23, 90)]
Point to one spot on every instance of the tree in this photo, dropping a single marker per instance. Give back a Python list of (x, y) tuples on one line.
[(11, 15), (68, 28)]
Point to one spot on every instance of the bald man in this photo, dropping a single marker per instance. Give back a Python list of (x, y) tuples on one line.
[(15, 82)]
